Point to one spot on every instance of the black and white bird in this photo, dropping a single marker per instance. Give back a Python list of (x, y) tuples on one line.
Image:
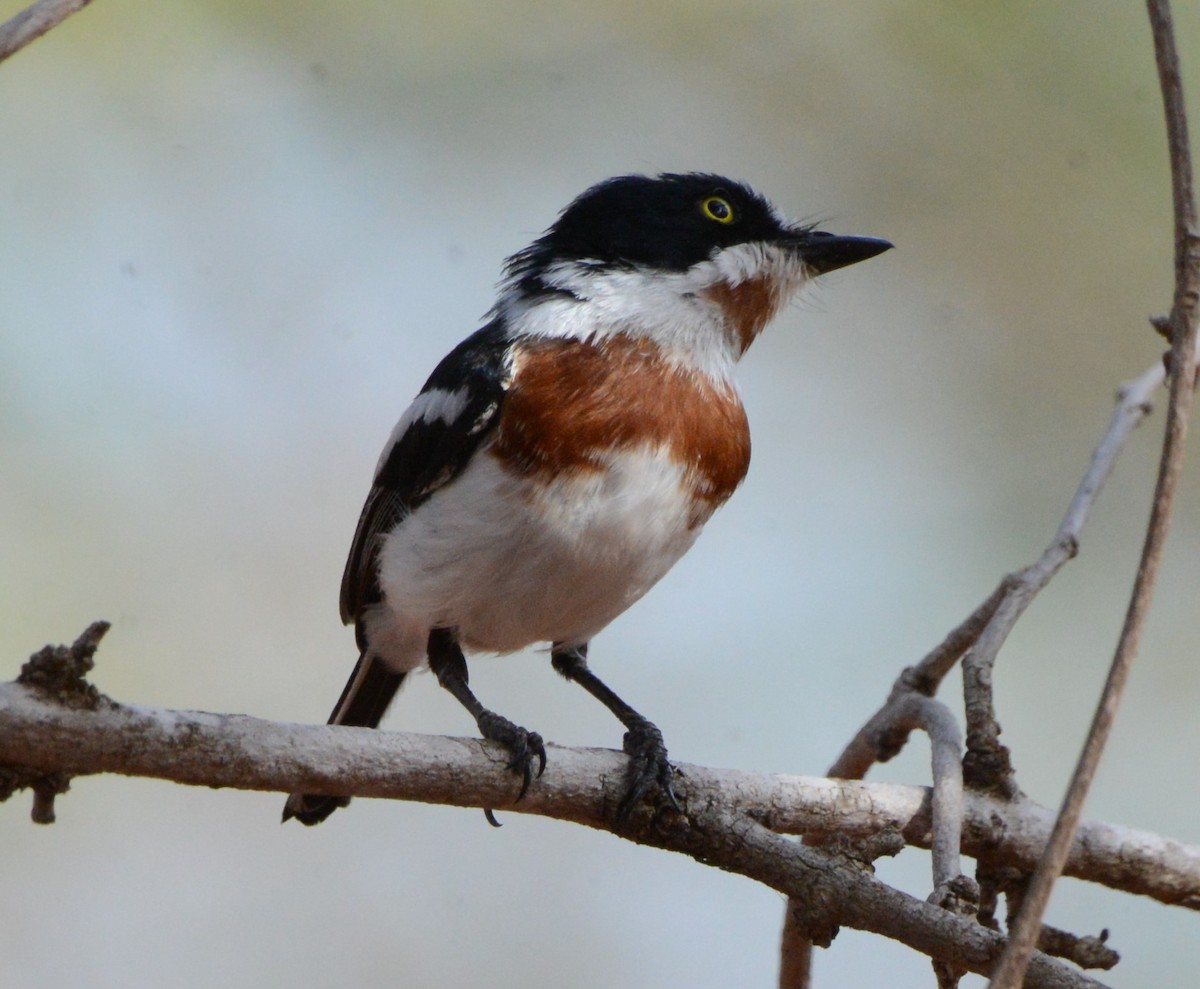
[(561, 459)]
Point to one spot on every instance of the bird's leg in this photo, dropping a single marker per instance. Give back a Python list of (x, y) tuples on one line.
[(648, 765), (450, 667)]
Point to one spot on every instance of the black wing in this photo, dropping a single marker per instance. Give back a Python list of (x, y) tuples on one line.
[(432, 443)]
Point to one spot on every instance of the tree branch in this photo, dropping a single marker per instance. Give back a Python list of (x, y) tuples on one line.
[(1183, 334), (981, 635), (985, 630), (34, 21), (733, 819)]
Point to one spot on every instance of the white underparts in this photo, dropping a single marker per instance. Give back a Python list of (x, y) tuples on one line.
[(507, 561)]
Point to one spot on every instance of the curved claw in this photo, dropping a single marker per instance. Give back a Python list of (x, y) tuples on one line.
[(523, 746), (649, 768), (538, 748), (527, 746), (525, 749), (668, 791)]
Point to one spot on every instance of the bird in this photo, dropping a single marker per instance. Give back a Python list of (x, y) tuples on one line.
[(561, 459)]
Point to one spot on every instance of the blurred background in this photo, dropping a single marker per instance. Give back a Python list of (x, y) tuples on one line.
[(236, 237)]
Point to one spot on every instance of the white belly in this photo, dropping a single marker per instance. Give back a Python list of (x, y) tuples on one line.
[(509, 562)]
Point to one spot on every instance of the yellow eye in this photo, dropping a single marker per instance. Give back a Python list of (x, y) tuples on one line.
[(717, 208)]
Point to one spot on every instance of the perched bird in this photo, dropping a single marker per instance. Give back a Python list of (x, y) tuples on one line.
[(561, 459)]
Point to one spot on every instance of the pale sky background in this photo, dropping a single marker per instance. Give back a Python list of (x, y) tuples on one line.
[(236, 237)]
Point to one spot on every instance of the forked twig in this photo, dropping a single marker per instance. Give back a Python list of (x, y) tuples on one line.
[(978, 639), (1010, 971), (983, 631)]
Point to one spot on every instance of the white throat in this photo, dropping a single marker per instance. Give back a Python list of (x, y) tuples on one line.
[(673, 309)]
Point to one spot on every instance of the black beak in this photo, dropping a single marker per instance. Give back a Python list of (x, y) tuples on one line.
[(823, 251)]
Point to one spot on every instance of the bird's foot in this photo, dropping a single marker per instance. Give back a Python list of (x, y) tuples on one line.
[(524, 746), (648, 768)]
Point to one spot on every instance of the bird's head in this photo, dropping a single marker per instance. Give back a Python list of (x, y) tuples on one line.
[(667, 256)]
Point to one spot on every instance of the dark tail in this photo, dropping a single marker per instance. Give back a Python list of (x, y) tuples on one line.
[(364, 700)]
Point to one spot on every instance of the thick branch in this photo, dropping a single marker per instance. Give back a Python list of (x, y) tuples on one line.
[(580, 785), (866, 904), (585, 786)]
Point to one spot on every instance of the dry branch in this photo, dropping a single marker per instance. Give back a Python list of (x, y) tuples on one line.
[(34, 21), (981, 636), (1182, 332), (733, 821), (580, 785), (52, 731)]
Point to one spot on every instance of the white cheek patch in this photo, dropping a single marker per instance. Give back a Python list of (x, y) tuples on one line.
[(745, 262), (670, 308)]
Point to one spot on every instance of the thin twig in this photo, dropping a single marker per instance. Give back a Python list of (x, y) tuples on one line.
[(945, 742), (876, 741), (873, 743), (908, 710), (951, 889), (987, 764), (1011, 969), (34, 21), (982, 632)]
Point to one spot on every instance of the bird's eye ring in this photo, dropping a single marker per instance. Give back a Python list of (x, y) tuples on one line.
[(717, 208)]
